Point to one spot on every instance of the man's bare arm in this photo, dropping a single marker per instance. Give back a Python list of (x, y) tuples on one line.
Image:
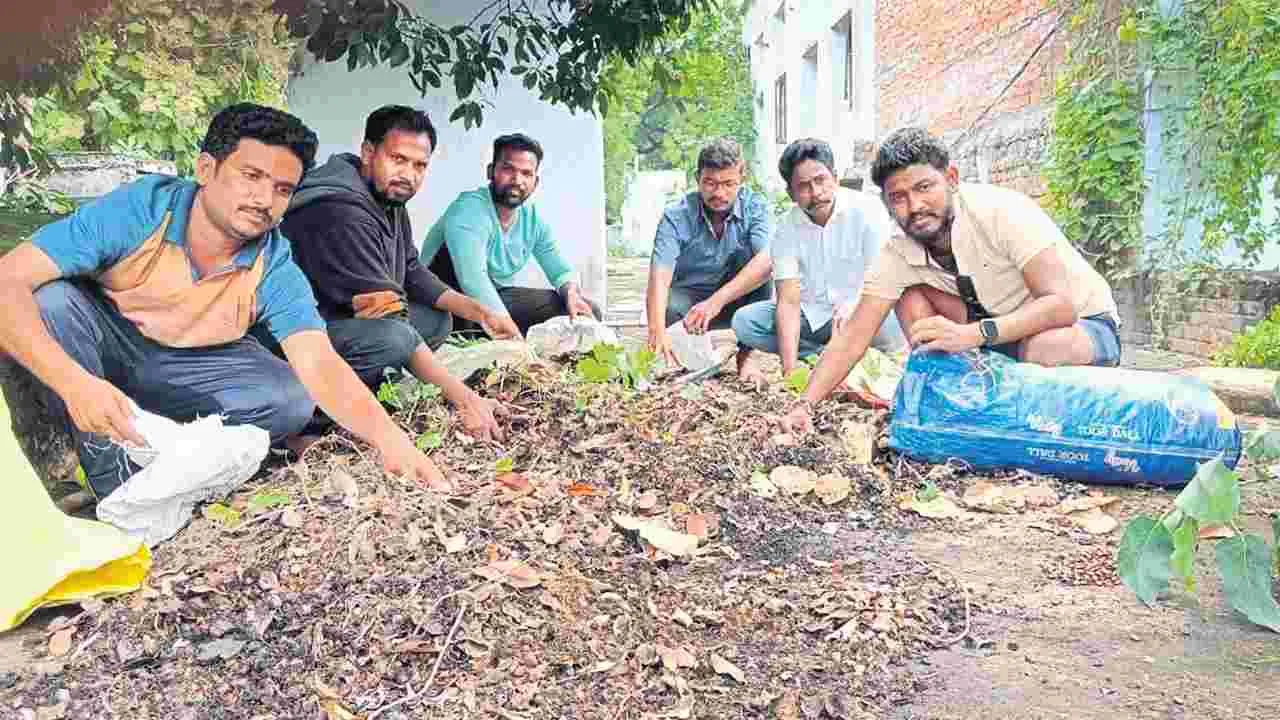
[(93, 403), (753, 275), (848, 346), (1047, 279), (499, 325), (787, 323)]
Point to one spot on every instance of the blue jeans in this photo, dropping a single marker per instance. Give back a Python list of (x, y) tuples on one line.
[(1102, 331), (756, 326), (241, 380)]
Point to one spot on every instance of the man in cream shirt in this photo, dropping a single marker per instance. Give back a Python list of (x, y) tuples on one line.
[(974, 265), (821, 252)]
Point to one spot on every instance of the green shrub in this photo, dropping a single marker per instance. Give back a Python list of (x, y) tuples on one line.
[(1257, 347)]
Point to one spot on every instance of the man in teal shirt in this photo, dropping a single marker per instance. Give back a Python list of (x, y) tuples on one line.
[(489, 234)]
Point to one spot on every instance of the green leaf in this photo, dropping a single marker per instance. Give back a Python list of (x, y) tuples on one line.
[(263, 501), (1183, 561), (399, 55), (1142, 560), (389, 394), (593, 370), (797, 381), (504, 465), (1244, 562), (429, 441), (1263, 445), (1213, 495), (223, 515)]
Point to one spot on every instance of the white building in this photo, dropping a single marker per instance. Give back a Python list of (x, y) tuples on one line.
[(813, 64), (335, 103)]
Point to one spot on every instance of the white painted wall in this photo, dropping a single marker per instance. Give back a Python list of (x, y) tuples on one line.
[(815, 98), (335, 103)]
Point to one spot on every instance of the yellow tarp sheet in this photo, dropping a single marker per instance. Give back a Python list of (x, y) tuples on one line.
[(49, 557)]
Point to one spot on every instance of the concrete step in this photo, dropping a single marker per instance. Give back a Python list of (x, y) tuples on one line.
[(1245, 391)]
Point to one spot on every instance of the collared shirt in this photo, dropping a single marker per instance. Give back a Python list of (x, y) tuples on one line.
[(995, 234), (485, 257), (133, 244), (685, 243), (830, 261)]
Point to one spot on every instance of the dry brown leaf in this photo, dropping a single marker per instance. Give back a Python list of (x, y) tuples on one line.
[(670, 542), (1041, 496), (859, 440), (601, 535), (291, 518), (582, 490), (335, 710), (696, 525), (724, 667), (345, 485), (682, 617), (675, 658), (647, 501), (553, 533), (455, 544), (60, 641), (833, 488), (1216, 532), (1095, 522), (789, 705), (515, 573), (515, 481), (647, 655), (1085, 503), (784, 440), (793, 480), (989, 497)]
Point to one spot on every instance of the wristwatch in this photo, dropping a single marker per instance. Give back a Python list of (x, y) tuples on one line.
[(990, 332)]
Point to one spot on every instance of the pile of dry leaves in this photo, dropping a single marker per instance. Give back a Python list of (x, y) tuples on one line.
[(622, 555)]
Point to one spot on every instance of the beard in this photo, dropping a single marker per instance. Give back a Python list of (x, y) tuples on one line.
[(384, 197), (939, 237), (506, 195)]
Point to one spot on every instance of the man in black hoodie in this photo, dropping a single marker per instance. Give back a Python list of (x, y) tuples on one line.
[(351, 236)]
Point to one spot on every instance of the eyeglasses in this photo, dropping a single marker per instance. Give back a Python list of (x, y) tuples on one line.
[(712, 185)]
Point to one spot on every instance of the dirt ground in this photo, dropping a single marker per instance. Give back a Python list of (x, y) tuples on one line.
[(333, 612)]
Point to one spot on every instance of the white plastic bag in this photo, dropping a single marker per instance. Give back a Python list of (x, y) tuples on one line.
[(694, 352), (183, 464), (560, 336)]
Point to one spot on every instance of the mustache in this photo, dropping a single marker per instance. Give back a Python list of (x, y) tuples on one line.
[(911, 219), (266, 216)]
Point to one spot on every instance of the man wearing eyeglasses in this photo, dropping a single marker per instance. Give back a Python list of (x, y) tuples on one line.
[(710, 255)]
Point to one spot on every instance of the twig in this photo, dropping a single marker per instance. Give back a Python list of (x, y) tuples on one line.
[(92, 638), (448, 640), (967, 615), (623, 705)]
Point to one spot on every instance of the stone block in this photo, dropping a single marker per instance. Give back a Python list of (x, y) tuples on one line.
[(1245, 391), (1188, 347), (1251, 308)]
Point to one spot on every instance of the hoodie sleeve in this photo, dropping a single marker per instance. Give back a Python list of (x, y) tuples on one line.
[(342, 256), (420, 284)]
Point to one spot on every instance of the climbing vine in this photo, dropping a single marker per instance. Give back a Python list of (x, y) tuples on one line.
[(1095, 155)]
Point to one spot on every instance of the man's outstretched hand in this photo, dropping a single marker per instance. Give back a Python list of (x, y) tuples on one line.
[(402, 459)]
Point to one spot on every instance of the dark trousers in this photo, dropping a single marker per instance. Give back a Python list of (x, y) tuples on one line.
[(681, 300), (371, 347), (527, 306), (241, 381)]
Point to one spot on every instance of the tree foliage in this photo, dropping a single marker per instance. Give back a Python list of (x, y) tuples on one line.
[(558, 47), (695, 86), (152, 72)]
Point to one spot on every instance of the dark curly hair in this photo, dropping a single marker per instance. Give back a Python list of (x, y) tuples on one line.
[(516, 142), (266, 125), (906, 147), (398, 117), (801, 150)]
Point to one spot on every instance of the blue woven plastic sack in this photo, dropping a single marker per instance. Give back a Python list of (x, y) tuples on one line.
[(1097, 425)]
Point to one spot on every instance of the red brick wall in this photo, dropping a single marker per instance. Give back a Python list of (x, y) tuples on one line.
[(941, 63)]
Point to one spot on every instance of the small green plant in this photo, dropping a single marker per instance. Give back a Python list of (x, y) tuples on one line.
[(504, 465), (1155, 550), (267, 500), (429, 440), (797, 381), (608, 363), (27, 195), (1257, 347), (465, 340), (223, 515), (400, 390)]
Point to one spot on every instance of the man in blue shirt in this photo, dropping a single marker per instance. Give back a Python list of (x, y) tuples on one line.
[(147, 296), (710, 255)]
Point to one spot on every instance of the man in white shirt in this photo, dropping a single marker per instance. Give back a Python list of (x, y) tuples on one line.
[(821, 251)]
